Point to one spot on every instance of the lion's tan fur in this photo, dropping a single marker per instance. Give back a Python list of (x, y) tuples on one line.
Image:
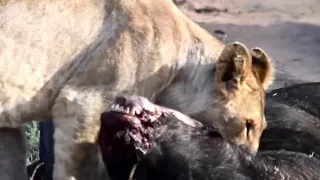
[(68, 59), (242, 98), (237, 104)]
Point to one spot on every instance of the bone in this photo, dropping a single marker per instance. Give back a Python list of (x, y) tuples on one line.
[(183, 118)]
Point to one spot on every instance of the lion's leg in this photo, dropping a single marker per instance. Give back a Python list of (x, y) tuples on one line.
[(77, 122), (13, 150)]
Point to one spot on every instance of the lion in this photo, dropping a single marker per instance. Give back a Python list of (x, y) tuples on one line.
[(68, 59)]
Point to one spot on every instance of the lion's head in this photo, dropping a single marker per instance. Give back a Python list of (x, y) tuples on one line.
[(241, 78)]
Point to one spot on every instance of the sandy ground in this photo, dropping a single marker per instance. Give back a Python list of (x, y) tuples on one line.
[(288, 30)]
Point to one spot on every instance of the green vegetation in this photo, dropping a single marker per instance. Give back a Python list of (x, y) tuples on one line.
[(33, 134)]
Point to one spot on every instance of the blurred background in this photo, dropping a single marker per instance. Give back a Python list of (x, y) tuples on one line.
[(289, 31)]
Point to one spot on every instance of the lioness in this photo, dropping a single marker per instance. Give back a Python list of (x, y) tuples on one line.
[(68, 59)]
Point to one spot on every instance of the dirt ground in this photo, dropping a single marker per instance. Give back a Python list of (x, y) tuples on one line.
[(288, 30)]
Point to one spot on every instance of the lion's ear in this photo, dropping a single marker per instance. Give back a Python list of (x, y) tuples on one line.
[(233, 65), (262, 67)]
